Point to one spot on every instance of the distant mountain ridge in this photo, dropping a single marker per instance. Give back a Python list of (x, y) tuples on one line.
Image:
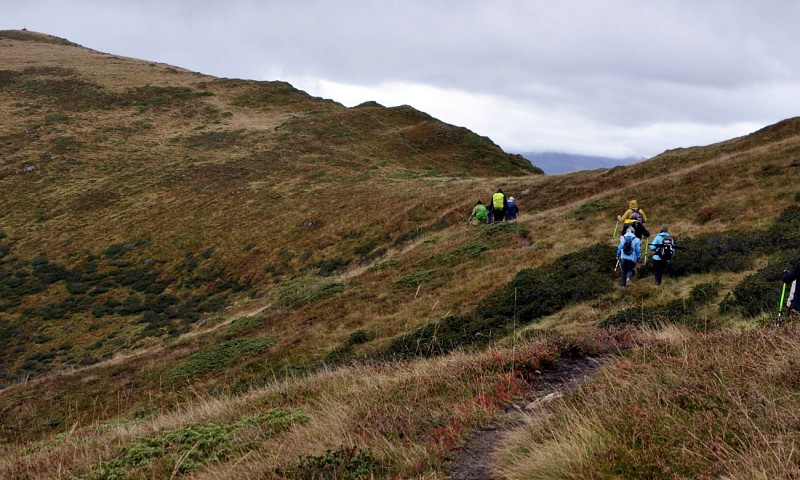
[(553, 163)]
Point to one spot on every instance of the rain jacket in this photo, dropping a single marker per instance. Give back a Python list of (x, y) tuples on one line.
[(636, 250), (658, 241), (629, 215), (479, 213), (512, 211)]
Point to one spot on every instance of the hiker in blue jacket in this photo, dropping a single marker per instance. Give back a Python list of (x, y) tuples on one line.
[(628, 252), (513, 210), (663, 252)]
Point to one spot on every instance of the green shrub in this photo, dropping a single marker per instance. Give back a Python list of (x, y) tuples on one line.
[(383, 265), (115, 250), (360, 336), (304, 290), (215, 140), (716, 252), (465, 252), (221, 356), (77, 288), (56, 118), (413, 280), (591, 207), (500, 231), (193, 446), (534, 293), (243, 324), (41, 338), (449, 334), (332, 266), (784, 233), (683, 311), (761, 291), (409, 236), (343, 464)]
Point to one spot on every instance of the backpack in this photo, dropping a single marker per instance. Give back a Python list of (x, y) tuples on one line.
[(666, 249), (627, 247), (635, 215), (497, 201), (480, 213)]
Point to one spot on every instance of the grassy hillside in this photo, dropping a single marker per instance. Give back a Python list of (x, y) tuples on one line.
[(139, 197), (215, 278)]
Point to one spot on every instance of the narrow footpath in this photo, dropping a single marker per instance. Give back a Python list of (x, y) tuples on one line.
[(474, 461)]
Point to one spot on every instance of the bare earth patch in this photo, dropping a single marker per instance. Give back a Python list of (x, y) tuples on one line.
[(475, 460)]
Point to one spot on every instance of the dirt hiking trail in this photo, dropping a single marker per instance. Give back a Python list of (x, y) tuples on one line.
[(474, 461)]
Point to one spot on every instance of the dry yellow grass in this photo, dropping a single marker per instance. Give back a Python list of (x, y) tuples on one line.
[(372, 407), (721, 405)]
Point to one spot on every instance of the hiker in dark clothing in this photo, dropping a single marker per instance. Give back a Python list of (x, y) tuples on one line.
[(793, 299), (513, 210), (499, 205)]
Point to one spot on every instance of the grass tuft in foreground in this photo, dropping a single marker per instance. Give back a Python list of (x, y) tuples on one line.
[(718, 405)]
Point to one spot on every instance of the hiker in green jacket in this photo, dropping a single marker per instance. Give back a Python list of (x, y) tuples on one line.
[(478, 214)]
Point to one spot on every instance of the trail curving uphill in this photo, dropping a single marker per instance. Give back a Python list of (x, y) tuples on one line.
[(475, 460)]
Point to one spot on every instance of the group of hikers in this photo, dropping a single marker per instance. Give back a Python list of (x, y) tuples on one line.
[(629, 254), (500, 209), (629, 251)]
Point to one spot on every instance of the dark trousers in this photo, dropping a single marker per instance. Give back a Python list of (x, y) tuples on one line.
[(628, 270), (499, 215), (658, 269), (640, 231)]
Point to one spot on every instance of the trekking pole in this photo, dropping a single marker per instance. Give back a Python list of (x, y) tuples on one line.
[(646, 243), (614, 235), (616, 266), (780, 307)]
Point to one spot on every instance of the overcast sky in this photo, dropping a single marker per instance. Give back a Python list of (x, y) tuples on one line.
[(615, 78)]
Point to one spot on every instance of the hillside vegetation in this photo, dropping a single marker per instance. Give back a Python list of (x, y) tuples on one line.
[(215, 278)]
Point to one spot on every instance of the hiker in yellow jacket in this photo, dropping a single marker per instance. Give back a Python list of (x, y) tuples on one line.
[(636, 217)]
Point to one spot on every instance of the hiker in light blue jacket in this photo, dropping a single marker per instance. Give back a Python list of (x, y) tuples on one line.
[(628, 252), (663, 247)]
